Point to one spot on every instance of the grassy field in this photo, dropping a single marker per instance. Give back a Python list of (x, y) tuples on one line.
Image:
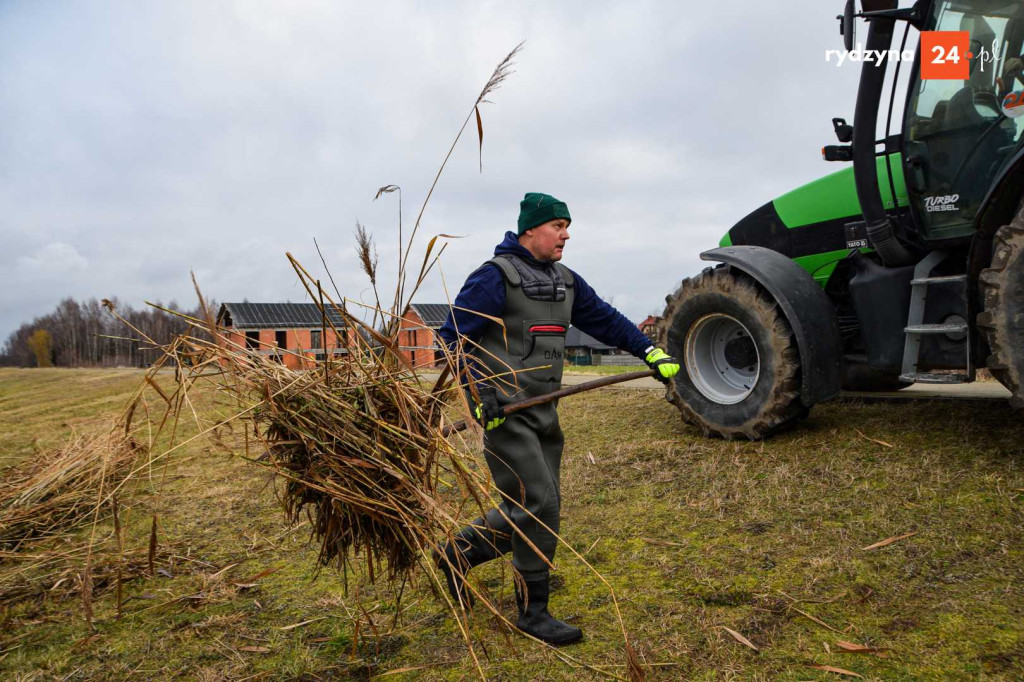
[(603, 370), (696, 536)]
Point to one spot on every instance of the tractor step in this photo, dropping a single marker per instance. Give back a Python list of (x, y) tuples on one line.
[(937, 329), (930, 378), (939, 280), (916, 329)]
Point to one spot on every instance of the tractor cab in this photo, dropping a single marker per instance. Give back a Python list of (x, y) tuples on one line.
[(959, 132)]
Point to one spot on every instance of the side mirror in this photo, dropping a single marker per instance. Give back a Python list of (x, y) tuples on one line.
[(847, 29)]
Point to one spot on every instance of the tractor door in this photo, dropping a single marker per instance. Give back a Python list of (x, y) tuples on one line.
[(956, 135)]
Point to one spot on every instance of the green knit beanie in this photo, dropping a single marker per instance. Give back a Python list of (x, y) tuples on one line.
[(536, 209)]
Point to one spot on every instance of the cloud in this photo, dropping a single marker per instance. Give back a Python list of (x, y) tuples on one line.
[(53, 260)]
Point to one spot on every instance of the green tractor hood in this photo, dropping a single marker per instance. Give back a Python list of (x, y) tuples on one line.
[(808, 224)]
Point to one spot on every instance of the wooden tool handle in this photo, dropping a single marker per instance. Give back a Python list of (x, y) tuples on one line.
[(560, 393)]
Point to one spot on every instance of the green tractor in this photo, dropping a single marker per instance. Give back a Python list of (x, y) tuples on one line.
[(907, 267)]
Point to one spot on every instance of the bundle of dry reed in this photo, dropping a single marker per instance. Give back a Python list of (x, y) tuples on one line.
[(357, 448), (355, 440), (51, 494)]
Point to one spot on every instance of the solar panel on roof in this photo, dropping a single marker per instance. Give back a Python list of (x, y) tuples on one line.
[(278, 315), (432, 314)]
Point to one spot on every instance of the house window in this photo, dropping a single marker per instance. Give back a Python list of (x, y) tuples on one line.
[(252, 340), (315, 339), (281, 338)]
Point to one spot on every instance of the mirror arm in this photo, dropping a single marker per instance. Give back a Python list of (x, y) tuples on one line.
[(911, 15)]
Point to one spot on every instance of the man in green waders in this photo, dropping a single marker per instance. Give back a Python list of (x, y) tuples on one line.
[(537, 298)]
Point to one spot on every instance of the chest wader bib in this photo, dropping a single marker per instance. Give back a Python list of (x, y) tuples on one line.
[(525, 453)]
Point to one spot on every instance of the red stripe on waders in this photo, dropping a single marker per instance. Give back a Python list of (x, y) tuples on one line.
[(552, 328)]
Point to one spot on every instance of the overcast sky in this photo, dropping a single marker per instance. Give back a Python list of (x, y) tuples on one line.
[(140, 141)]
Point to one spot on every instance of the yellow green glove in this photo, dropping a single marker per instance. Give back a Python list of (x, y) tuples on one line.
[(487, 412), (490, 415), (661, 362)]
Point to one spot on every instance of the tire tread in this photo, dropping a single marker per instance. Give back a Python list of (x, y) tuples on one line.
[(1002, 299), (783, 407)]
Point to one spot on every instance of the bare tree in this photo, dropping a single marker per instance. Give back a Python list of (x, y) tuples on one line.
[(85, 334)]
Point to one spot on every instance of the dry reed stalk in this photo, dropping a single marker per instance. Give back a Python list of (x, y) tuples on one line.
[(152, 547), (59, 576), (86, 578), (47, 496)]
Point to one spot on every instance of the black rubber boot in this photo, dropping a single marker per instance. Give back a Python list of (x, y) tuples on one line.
[(534, 618), (465, 550)]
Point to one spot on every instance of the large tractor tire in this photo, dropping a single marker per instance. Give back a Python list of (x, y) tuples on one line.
[(741, 377), (1002, 316)]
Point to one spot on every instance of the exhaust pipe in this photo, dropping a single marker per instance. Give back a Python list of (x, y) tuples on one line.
[(880, 230)]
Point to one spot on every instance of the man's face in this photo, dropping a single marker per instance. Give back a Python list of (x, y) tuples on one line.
[(547, 240)]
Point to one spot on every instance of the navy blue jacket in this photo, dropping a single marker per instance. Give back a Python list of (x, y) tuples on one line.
[(484, 292)]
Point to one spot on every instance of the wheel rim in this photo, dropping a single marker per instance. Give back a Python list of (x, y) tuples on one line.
[(722, 359)]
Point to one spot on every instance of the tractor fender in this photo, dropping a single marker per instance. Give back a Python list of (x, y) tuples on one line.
[(1003, 197), (807, 309), (998, 207)]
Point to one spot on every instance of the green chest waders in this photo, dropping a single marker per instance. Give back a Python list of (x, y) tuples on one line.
[(525, 453)]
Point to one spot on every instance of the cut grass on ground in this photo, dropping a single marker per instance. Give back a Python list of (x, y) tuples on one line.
[(603, 370), (695, 535)]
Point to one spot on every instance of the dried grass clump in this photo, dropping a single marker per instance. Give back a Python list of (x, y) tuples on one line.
[(356, 440), (357, 448), (60, 576), (60, 490)]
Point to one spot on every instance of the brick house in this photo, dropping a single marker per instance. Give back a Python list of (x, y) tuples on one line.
[(418, 341), (294, 327), (649, 327), (417, 335)]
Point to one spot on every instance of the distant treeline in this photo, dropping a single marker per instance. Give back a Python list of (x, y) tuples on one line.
[(86, 334)]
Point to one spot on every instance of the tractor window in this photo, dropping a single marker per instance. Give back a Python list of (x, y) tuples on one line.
[(956, 134)]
